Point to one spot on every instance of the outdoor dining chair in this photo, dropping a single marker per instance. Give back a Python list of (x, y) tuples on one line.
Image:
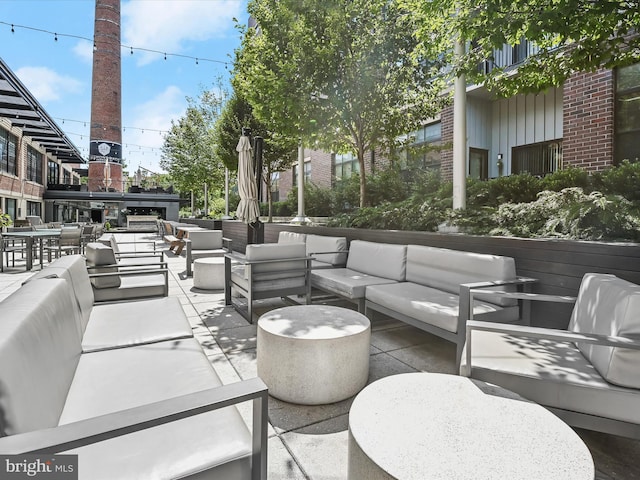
[(70, 241)]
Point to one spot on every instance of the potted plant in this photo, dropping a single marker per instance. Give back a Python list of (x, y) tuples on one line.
[(5, 220)]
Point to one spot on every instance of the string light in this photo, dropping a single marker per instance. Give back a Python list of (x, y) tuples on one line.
[(130, 47)]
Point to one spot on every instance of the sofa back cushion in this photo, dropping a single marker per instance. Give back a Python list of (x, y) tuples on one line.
[(99, 254), (291, 237), (320, 243), (39, 352), (277, 251), (205, 239), (378, 259), (73, 269), (446, 269), (608, 305)]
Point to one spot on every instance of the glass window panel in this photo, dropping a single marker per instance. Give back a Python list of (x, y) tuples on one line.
[(628, 77)]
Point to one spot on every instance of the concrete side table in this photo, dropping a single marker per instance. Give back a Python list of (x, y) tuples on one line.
[(208, 273), (436, 426), (313, 354)]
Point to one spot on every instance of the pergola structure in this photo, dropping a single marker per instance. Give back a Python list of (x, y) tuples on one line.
[(22, 109)]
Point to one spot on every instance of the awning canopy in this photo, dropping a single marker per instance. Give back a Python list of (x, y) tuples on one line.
[(21, 108)]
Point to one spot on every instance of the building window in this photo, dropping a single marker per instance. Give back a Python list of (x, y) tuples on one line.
[(478, 163), (627, 115), (10, 208), (33, 208), (346, 164), (275, 186), (34, 165), (520, 51), (66, 177), (422, 151), (537, 159), (53, 172), (307, 171), (8, 149)]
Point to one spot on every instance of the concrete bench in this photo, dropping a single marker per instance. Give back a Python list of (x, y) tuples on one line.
[(162, 400)]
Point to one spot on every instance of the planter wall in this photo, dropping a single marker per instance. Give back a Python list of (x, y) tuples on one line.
[(558, 264)]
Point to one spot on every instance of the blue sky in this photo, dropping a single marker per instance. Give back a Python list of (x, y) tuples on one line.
[(154, 90)]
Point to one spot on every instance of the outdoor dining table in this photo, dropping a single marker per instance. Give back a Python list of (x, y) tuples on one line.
[(29, 237)]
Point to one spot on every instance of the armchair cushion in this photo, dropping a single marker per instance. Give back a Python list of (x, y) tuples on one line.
[(100, 254), (608, 305), (320, 243), (551, 373)]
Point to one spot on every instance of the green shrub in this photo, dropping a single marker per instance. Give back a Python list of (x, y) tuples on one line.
[(622, 180), (567, 178), (571, 213), (513, 189)]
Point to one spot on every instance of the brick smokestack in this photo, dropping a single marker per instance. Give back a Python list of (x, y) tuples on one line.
[(105, 155)]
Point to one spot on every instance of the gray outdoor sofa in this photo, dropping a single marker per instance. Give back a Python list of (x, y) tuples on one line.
[(144, 408), (426, 287)]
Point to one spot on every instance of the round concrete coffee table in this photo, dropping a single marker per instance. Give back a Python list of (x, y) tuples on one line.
[(313, 354), (208, 273), (436, 426)]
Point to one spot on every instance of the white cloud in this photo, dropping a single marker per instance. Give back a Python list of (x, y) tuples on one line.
[(84, 50), (145, 121), (169, 25), (46, 84)]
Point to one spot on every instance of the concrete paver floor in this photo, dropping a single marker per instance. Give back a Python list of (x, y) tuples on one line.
[(310, 442)]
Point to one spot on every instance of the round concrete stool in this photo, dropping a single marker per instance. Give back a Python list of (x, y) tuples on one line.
[(429, 425), (208, 273), (313, 354)]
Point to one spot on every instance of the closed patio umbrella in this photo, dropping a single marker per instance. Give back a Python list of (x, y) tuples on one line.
[(248, 208)]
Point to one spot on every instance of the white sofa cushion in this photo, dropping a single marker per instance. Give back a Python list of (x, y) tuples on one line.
[(378, 259), (39, 351), (608, 305), (320, 243), (446, 269), (430, 305), (114, 380), (549, 373), (345, 282), (291, 237), (117, 325)]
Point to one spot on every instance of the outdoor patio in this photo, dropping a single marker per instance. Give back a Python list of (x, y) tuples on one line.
[(310, 442)]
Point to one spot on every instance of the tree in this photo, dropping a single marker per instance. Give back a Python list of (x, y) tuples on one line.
[(339, 74), (572, 35), (278, 150), (188, 153)]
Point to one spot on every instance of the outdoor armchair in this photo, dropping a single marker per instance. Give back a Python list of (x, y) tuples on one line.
[(267, 271), (69, 241), (587, 374)]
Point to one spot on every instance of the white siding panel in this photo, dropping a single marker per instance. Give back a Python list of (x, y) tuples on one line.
[(550, 115), (559, 112), (539, 118), (520, 120), (530, 119)]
